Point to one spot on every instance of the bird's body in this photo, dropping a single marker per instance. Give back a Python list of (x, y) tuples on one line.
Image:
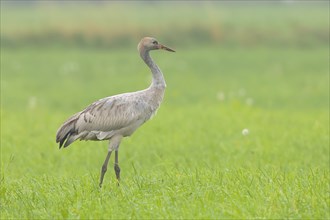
[(115, 117)]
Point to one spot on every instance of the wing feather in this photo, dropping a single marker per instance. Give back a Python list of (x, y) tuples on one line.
[(113, 113), (101, 120)]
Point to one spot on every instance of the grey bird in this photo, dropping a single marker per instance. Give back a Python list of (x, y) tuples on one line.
[(115, 117)]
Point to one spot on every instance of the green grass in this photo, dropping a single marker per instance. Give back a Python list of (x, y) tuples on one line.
[(191, 160)]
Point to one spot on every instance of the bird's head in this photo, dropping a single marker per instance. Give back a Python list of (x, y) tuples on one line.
[(150, 43)]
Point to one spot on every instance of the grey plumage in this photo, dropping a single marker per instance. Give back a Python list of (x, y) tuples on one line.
[(115, 117), (110, 116)]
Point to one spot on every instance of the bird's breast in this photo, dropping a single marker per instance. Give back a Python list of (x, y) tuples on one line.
[(156, 96)]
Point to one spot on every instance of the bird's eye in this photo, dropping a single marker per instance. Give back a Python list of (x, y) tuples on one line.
[(155, 42)]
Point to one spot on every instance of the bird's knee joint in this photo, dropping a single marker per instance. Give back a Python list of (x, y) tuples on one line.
[(104, 169), (117, 168)]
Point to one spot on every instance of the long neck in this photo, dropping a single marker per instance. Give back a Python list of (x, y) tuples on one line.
[(158, 80)]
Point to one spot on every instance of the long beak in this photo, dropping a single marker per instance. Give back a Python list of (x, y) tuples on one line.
[(160, 46)]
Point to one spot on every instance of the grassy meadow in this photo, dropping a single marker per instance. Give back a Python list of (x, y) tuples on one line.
[(191, 160)]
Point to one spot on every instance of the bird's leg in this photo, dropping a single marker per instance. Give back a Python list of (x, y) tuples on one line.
[(117, 168), (104, 167)]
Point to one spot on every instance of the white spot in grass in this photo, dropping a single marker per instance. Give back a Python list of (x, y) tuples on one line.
[(221, 96), (241, 92), (32, 102), (249, 101), (69, 67), (245, 131)]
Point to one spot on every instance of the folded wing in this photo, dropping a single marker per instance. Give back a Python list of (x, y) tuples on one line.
[(101, 119)]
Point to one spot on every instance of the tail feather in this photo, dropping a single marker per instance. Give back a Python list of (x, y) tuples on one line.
[(71, 138), (65, 134), (62, 140)]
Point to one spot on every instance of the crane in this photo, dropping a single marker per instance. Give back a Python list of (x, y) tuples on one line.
[(118, 116)]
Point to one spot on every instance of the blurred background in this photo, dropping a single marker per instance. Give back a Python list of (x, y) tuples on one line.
[(111, 24), (240, 64), (213, 38)]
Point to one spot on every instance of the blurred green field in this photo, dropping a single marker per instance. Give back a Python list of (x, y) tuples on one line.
[(191, 160), (117, 25)]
